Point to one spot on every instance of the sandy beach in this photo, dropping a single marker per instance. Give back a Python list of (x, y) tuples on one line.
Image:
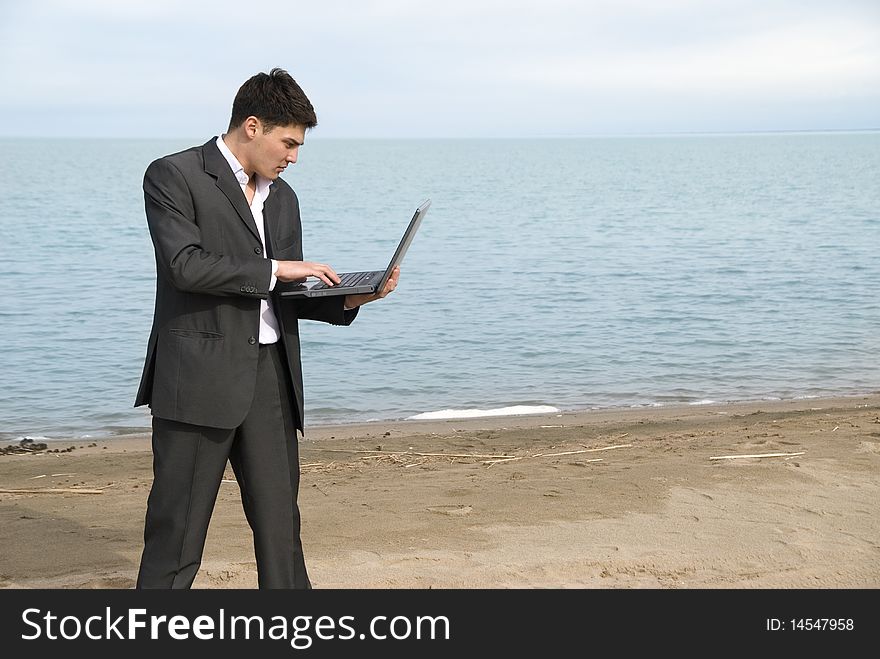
[(630, 498)]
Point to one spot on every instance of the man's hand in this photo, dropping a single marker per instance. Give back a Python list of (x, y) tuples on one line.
[(352, 301), (299, 270)]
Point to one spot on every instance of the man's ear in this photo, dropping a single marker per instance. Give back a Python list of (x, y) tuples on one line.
[(252, 126)]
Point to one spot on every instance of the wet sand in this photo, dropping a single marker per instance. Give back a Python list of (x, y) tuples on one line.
[(598, 499)]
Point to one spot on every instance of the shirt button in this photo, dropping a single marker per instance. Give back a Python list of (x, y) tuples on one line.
[(252, 340), (258, 250)]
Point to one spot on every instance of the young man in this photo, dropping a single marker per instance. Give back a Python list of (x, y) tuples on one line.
[(222, 374)]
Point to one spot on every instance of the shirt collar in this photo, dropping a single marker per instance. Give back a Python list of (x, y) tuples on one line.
[(238, 170)]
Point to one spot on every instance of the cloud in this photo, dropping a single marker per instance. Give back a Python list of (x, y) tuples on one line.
[(828, 57), (476, 67)]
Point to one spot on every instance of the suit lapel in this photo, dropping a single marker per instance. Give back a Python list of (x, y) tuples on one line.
[(216, 166)]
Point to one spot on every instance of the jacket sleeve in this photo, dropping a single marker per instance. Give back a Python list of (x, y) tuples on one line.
[(330, 309), (177, 241)]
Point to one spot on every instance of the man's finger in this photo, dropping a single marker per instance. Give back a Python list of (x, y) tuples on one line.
[(326, 274), (323, 276)]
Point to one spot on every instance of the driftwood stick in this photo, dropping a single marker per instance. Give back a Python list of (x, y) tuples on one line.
[(490, 463), (495, 462), (587, 450), (428, 455), (608, 448), (54, 490), (487, 459), (757, 455), (455, 455)]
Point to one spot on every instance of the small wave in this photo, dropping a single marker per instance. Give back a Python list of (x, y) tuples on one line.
[(474, 413), (705, 401), (33, 438)]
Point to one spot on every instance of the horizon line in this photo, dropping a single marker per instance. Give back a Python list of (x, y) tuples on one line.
[(483, 137)]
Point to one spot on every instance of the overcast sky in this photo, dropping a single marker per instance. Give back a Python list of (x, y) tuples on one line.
[(451, 68)]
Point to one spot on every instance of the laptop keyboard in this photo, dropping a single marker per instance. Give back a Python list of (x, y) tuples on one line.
[(348, 279)]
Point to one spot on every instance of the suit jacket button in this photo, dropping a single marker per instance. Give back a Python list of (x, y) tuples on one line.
[(258, 251), (252, 340)]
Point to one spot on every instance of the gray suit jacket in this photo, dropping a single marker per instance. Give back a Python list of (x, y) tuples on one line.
[(210, 277)]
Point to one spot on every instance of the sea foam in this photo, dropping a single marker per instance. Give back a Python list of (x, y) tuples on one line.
[(474, 413)]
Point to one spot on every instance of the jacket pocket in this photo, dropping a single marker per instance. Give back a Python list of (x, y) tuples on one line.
[(196, 334)]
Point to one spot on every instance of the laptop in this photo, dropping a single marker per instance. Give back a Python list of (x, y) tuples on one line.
[(354, 283)]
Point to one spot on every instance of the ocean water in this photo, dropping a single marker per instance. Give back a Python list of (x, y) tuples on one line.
[(570, 273)]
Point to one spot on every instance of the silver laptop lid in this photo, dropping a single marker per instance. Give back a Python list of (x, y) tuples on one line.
[(408, 236)]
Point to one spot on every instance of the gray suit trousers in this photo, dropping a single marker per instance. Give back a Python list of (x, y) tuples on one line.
[(188, 466)]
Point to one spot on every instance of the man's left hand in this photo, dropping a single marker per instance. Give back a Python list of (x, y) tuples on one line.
[(352, 301)]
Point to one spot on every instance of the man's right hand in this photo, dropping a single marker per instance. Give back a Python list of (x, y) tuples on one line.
[(299, 270)]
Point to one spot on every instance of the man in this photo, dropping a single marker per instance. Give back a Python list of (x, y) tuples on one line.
[(222, 373)]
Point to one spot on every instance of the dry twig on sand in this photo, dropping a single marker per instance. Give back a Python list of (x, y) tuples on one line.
[(380, 453), (55, 490), (402, 457), (553, 455), (757, 455)]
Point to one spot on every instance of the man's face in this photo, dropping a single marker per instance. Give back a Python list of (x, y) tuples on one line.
[(274, 150)]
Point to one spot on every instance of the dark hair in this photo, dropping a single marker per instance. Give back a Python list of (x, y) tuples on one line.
[(275, 99)]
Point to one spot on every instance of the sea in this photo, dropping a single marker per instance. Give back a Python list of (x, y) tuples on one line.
[(549, 274)]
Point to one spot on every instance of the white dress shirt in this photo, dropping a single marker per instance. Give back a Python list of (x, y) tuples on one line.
[(269, 332)]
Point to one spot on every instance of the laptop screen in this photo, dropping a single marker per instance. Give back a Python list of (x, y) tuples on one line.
[(405, 241)]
